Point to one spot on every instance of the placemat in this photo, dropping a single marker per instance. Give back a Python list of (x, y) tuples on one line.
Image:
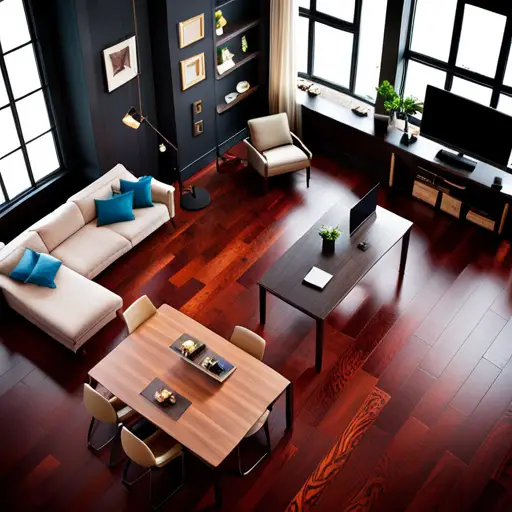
[(174, 411)]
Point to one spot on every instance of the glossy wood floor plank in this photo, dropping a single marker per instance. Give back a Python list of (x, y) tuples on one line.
[(453, 302)]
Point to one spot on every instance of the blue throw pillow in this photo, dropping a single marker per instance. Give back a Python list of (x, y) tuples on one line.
[(116, 209), (141, 190), (25, 266), (45, 271)]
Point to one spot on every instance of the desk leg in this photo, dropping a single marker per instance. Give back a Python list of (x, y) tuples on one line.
[(405, 250), (319, 344), (289, 406), (263, 305)]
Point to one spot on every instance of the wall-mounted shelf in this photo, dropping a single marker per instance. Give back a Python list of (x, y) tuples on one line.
[(245, 60), (236, 29), (224, 107)]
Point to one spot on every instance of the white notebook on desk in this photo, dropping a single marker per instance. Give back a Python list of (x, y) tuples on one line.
[(318, 278)]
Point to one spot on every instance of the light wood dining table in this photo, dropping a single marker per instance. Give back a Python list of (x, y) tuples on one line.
[(220, 414)]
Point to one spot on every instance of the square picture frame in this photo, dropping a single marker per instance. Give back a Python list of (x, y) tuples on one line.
[(121, 63), (191, 30), (198, 128), (193, 71)]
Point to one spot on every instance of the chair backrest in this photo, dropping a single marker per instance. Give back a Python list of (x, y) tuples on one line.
[(136, 449), (249, 342), (270, 132), (99, 407), (140, 311)]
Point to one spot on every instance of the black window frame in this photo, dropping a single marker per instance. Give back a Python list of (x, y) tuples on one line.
[(496, 83), (34, 42), (354, 28)]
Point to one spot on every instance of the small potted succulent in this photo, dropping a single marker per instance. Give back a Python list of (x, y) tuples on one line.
[(220, 23), (329, 236)]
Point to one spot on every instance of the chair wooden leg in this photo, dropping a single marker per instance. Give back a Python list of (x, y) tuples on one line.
[(173, 222), (265, 185), (308, 176)]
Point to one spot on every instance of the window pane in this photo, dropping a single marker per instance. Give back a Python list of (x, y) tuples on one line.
[(3, 93), (433, 28), (43, 156), (333, 54), (371, 37), (480, 40), (33, 115), (508, 73), (2, 198), (301, 44), (9, 139), (343, 9), (14, 173), (305, 4), (13, 25), (418, 77), (472, 91), (22, 70), (505, 104)]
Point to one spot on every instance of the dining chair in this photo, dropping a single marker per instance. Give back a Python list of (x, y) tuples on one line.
[(111, 411), (140, 311), (254, 345), (153, 452), (272, 149)]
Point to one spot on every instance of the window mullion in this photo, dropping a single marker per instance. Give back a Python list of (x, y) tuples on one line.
[(355, 44), (4, 190), (502, 63), (454, 48)]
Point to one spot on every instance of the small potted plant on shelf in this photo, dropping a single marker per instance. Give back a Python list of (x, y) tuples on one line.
[(400, 107), (329, 236), (220, 23)]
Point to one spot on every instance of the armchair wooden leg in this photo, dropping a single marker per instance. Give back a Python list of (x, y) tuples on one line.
[(308, 176), (266, 185)]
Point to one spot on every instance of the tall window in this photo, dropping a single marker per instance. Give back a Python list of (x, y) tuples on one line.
[(339, 44), (462, 48), (28, 152)]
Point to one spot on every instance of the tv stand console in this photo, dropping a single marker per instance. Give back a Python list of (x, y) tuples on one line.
[(456, 160), (332, 129)]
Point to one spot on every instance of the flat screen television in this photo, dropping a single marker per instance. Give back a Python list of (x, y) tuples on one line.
[(467, 127), (363, 210)]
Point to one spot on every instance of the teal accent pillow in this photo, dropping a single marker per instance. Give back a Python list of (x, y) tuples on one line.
[(141, 190), (45, 271), (25, 266), (116, 209)]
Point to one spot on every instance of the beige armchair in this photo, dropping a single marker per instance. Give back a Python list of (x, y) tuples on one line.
[(272, 149)]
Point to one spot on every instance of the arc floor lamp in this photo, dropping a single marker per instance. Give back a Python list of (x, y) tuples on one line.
[(191, 198)]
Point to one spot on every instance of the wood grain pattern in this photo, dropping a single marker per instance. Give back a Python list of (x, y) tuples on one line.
[(315, 485), (220, 414)]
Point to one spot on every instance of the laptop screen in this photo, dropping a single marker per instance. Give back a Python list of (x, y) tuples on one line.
[(363, 209)]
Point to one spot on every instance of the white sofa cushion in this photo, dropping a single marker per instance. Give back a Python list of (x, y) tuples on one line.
[(59, 225), (11, 254), (71, 313), (270, 132), (91, 249), (146, 221), (99, 189), (285, 159)]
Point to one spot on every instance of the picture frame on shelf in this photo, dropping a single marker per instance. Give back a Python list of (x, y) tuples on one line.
[(191, 30), (121, 64), (193, 71)]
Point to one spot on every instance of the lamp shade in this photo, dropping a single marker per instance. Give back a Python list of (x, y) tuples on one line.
[(132, 119)]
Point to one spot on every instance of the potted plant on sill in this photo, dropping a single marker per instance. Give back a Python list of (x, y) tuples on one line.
[(400, 107), (329, 236)]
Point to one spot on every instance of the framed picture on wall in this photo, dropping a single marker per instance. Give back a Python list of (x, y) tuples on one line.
[(191, 30), (121, 63), (193, 71)]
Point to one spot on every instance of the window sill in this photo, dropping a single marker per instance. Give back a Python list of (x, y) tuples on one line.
[(30, 193)]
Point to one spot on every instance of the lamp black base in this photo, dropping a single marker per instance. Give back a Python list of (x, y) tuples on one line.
[(197, 199)]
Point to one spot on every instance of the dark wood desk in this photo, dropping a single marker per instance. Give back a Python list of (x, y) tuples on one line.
[(348, 265)]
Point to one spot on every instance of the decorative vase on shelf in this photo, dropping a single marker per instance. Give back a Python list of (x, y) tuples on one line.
[(328, 246), (219, 31), (392, 119)]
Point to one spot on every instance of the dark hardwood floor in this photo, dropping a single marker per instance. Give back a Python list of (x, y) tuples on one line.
[(412, 410)]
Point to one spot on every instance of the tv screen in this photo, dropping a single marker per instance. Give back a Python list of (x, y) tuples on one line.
[(467, 126), (364, 209)]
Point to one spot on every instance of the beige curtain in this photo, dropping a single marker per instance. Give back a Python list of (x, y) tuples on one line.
[(284, 16)]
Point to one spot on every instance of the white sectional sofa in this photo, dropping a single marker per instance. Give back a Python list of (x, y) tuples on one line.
[(78, 308)]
